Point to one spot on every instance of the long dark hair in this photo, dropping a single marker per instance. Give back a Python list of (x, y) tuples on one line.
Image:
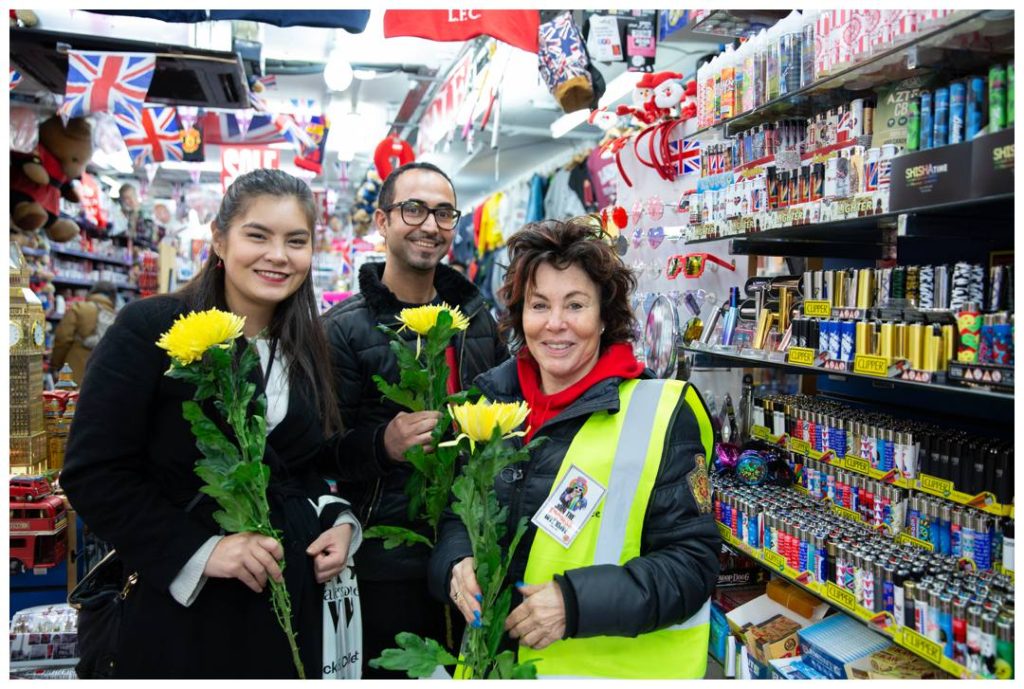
[(296, 320)]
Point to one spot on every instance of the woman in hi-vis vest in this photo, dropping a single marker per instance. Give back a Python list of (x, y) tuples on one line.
[(616, 569)]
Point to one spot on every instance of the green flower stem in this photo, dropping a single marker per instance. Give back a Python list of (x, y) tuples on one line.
[(283, 609)]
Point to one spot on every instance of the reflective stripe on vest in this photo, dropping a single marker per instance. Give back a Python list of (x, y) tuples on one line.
[(613, 536)]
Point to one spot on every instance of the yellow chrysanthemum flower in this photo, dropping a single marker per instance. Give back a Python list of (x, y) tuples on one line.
[(194, 333), (422, 318), (477, 421)]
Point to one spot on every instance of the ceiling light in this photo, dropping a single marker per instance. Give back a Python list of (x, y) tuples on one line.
[(619, 87), (338, 71)]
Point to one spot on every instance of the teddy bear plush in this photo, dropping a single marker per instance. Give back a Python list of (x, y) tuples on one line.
[(39, 179)]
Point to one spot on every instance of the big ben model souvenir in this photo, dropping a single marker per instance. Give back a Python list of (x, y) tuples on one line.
[(29, 451)]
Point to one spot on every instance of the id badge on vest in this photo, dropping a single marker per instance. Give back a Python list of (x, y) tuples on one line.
[(570, 506)]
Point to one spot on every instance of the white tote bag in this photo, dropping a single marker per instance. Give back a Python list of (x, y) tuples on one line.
[(343, 627)]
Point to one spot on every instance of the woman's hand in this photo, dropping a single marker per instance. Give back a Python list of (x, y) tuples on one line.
[(465, 591), (539, 620), (330, 552), (248, 557)]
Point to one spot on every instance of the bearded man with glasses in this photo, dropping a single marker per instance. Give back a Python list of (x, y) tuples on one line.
[(417, 217)]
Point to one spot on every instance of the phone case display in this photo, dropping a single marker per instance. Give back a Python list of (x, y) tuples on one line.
[(28, 445)]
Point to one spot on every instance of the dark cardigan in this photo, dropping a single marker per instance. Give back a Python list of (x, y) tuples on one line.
[(129, 474)]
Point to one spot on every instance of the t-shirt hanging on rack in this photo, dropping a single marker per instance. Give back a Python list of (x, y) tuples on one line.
[(561, 201)]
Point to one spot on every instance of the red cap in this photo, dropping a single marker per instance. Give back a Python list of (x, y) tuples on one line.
[(650, 81)]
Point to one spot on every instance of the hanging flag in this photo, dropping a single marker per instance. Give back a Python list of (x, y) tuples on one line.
[(269, 81), (153, 136), (106, 82), (292, 131), (221, 128), (515, 27), (196, 174), (15, 78), (303, 110), (312, 157), (243, 118), (187, 115)]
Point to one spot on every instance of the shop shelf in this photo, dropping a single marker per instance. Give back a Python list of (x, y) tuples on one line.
[(863, 237), (923, 483), (750, 361), (93, 257), (33, 252), (881, 622), (81, 282), (930, 48)]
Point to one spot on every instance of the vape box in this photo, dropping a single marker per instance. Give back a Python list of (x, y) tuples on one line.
[(930, 177), (992, 164)]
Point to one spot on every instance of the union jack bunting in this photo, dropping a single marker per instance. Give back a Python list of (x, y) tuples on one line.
[(268, 81), (222, 128), (684, 154), (292, 130), (15, 78), (153, 137), (106, 82)]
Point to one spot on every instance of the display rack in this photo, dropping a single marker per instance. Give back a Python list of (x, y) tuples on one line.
[(82, 282), (776, 360), (881, 622), (923, 483), (930, 48), (828, 239), (92, 257)]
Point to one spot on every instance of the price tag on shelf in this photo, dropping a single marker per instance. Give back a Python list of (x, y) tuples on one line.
[(773, 559), (801, 447), (845, 513), (818, 309), (760, 432), (841, 596), (801, 356), (921, 645), (935, 486), (724, 531), (858, 464), (869, 365), (907, 538)]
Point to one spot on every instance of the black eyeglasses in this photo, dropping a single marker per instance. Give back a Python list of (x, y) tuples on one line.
[(415, 213)]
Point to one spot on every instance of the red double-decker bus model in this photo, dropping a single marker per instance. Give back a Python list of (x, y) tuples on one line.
[(38, 525)]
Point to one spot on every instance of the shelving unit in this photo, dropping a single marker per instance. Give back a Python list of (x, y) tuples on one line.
[(882, 622), (80, 282), (776, 361), (92, 257), (928, 49)]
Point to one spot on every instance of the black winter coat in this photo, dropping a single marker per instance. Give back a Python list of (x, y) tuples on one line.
[(129, 473), (373, 483), (678, 565)]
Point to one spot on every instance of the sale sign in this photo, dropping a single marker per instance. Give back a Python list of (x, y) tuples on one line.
[(235, 161)]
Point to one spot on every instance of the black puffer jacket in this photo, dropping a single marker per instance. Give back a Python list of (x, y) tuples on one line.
[(369, 479), (678, 565)]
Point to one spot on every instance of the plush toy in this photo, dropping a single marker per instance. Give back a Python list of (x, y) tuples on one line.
[(654, 97), (39, 179)]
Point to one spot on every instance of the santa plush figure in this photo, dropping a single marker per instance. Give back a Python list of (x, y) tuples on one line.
[(654, 96)]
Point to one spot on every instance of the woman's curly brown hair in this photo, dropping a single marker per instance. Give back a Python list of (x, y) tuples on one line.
[(575, 242)]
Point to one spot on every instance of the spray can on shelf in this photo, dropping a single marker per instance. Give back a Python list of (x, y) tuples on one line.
[(957, 103), (975, 106), (927, 133), (913, 126), (940, 118), (996, 98)]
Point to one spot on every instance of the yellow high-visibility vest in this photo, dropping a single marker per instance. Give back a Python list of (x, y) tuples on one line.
[(613, 536)]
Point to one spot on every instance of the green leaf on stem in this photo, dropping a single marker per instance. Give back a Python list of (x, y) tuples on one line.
[(418, 657), (395, 536)]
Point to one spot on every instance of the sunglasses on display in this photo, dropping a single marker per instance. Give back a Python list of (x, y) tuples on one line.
[(692, 265), (415, 213)]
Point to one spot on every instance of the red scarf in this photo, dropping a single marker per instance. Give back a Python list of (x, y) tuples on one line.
[(616, 361)]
